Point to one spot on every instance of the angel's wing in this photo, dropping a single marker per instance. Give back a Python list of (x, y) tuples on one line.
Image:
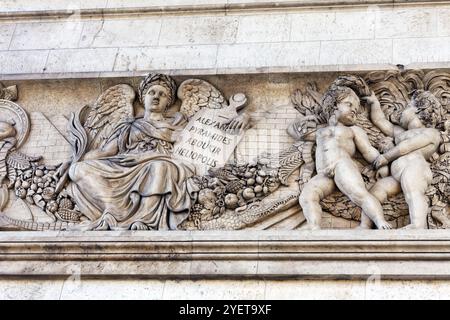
[(196, 94), (114, 106)]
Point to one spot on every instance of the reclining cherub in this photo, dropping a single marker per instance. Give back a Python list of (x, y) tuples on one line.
[(337, 143), (416, 141)]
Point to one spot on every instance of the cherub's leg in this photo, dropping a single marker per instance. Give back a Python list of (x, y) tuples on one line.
[(349, 180), (415, 180), (315, 190), (382, 190)]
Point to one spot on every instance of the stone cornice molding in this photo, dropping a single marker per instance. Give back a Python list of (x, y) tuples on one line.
[(193, 8), (224, 255)]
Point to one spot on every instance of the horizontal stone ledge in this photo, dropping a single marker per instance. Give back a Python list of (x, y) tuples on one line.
[(332, 254), (67, 8), (223, 71)]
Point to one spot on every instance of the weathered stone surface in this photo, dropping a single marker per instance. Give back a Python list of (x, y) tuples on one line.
[(229, 254), (324, 39)]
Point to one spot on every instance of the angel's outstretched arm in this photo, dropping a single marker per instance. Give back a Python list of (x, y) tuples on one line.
[(378, 117)]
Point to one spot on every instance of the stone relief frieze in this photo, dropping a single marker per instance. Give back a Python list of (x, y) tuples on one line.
[(371, 148)]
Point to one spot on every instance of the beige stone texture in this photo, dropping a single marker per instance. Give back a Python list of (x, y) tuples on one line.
[(121, 33), (6, 33), (81, 60), (198, 30), (86, 289), (332, 25), (52, 35), (222, 37), (166, 58)]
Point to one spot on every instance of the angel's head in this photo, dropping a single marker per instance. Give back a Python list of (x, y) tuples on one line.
[(342, 103), (425, 109), (157, 92), (6, 130)]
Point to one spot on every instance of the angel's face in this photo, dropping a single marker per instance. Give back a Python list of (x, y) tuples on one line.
[(6, 130), (156, 99)]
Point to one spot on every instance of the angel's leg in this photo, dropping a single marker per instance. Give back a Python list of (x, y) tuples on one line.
[(382, 190), (349, 180), (315, 190), (415, 180)]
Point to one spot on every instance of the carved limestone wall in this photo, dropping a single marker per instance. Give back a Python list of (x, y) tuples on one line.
[(121, 38), (263, 179)]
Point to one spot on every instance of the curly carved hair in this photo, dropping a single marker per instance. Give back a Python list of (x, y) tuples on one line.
[(158, 79), (428, 108), (332, 97)]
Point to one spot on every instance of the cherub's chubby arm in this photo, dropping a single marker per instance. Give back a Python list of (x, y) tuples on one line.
[(108, 150), (363, 144), (378, 117), (412, 144)]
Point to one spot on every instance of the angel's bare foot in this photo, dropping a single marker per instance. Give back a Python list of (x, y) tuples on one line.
[(139, 226), (310, 226)]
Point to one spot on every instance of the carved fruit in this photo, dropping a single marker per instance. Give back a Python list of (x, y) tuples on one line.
[(258, 189), (68, 215), (234, 186), (48, 193), (262, 173), (248, 174), (265, 190), (39, 173), (248, 194), (259, 180), (34, 187), (52, 206), (231, 201), (66, 204), (250, 182), (21, 193), (30, 200), (25, 184)]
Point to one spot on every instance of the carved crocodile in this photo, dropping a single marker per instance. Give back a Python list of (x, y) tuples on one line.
[(232, 220)]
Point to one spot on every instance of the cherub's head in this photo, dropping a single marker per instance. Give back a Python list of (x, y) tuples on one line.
[(342, 103), (157, 92), (6, 130), (424, 108)]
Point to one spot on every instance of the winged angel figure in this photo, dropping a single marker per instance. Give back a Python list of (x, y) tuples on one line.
[(406, 168), (122, 175)]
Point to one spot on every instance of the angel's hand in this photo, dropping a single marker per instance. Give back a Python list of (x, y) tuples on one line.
[(383, 172), (380, 161), (240, 122), (370, 100)]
